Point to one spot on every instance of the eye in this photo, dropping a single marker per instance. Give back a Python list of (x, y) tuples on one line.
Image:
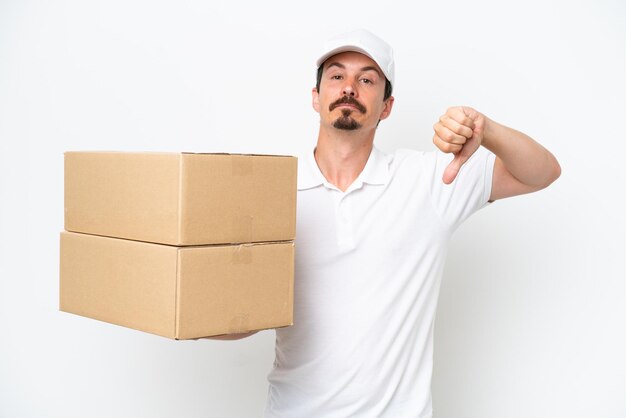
[(336, 77), (366, 81)]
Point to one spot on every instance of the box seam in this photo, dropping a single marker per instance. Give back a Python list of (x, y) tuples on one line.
[(235, 153), (177, 296), (179, 214)]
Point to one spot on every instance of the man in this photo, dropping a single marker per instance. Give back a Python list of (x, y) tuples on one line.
[(372, 234)]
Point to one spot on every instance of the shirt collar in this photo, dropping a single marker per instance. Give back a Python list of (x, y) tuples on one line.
[(376, 171)]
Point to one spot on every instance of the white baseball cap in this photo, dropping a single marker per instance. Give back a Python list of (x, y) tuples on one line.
[(364, 42)]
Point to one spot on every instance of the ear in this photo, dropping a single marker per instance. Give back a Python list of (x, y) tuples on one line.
[(387, 109), (316, 99)]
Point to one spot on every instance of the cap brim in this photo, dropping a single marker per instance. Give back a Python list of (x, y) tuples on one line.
[(339, 50)]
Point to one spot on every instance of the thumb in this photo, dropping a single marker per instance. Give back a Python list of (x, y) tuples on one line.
[(454, 167)]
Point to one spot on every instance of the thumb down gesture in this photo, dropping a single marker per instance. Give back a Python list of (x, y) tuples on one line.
[(460, 132)]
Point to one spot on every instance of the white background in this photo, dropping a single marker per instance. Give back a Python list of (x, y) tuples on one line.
[(532, 313)]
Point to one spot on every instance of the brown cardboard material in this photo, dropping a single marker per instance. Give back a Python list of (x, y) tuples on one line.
[(181, 198), (177, 292)]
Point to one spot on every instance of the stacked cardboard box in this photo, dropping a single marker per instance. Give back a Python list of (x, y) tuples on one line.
[(178, 244)]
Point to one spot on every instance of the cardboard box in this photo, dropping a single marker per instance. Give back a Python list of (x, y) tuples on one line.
[(181, 198), (177, 292)]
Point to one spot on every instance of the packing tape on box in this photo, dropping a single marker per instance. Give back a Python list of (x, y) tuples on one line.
[(242, 254), (243, 227), (241, 165), (239, 324)]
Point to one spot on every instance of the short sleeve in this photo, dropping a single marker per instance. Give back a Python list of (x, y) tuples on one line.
[(469, 191)]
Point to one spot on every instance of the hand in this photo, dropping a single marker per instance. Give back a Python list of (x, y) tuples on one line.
[(460, 132)]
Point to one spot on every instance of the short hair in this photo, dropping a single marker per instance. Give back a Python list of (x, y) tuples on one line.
[(320, 70)]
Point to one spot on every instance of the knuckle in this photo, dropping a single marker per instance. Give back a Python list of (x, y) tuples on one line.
[(450, 147)]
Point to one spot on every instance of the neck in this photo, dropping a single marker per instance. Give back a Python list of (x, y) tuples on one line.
[(342, 155)]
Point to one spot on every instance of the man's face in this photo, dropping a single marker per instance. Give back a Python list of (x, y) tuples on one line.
[(351, 93)]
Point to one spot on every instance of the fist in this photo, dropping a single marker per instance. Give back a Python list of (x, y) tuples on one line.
[(460, 132)]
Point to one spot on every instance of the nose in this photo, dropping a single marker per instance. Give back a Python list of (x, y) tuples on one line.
[(348, 90)]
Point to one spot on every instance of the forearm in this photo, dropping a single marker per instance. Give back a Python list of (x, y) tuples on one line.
[(526, 160)]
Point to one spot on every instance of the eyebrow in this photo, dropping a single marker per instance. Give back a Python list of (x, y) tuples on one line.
[(368, 68)]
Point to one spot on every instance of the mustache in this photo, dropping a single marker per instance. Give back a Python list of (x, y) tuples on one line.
[(347, 100)]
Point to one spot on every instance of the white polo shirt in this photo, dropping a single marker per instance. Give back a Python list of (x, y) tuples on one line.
[(368, 268)]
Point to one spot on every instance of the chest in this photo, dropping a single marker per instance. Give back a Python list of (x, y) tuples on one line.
[(375, 221)]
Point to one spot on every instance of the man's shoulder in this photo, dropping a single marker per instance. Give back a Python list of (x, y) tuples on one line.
[(402, 154), (411, 159)]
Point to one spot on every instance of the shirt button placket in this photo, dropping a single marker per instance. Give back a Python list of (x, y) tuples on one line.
[(344, 227)]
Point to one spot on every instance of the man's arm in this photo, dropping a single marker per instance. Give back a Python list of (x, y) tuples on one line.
[(522, 165)]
